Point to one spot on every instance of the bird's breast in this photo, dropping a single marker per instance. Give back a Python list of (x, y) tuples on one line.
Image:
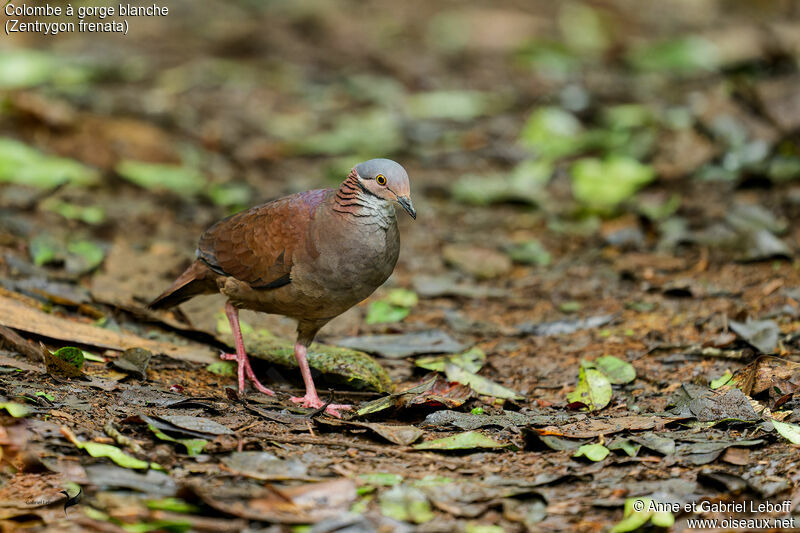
[(353, 259)]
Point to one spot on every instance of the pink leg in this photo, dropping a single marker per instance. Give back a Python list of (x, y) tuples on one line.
[(241, 356), (311, 399)]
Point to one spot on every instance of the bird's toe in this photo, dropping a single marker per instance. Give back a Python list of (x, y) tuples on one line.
[(313, 402)]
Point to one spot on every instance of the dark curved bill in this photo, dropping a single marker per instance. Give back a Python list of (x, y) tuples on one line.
[(405, 201)]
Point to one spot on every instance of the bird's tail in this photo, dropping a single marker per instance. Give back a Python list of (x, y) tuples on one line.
[(195, 280)]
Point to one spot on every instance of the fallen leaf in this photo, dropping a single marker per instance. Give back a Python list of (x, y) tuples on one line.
[(615, 369), (193, 446), (472, 360), (601, 185), (159, 177), (306, 503), (196, 424), (456, 105), (651, 441), (564, 327), (682, 55), (593, 452), (392, 400), (790, 432), (765, 373), (64, 362), (17, 410), (470, 440), (633, 519), (595, 427), (760, 334), (381, 479), (134, 361), (479, 384), (264, 466), (19, 163), (626, 445), (593, 390), (405, 503), (552, 133), (152, 482), (15, 314), (383, 312), (98, 449)]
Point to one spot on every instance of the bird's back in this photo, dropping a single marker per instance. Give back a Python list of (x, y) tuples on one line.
[(257, 246)]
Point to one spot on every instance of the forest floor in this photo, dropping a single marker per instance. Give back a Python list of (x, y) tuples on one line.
[(598, 304)]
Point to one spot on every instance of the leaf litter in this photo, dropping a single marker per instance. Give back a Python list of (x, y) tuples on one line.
[(647, 242)]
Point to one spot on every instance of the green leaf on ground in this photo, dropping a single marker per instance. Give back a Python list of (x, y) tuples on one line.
[(615, 369), (24, 67), (635, 519), (479, 384), (175, 505), (790, 432), (84, 256), (472, 360), (593, 452), (230, 194), (375, 131), (593, 390), (402, 297), (525, 183), (469, 440), (182, 180), (383, 312), (97, 449), (453, 105), (626, 445), (46, 395), (552, 133), (43, 249), (222, 368), (602, 184), (19, 163), (683, 55), (405, 503), (90, 214), (529, 253), (720, 381), (394, 307), (193, 446), (71, 355), (550, 59), (17, 410), (569, 307), (381, 479), (472, 527)]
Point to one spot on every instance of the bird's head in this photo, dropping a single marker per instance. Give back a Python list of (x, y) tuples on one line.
[(387, 180)]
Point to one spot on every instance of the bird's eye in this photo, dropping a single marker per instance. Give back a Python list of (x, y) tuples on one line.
[(381, 179)]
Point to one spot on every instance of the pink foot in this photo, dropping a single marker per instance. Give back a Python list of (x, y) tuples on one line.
[(241, 356), (313, 402), (245, 369)]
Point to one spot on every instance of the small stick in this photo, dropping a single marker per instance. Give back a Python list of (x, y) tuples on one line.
[(121, 439)]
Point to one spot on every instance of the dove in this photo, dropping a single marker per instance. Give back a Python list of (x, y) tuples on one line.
[(309, 256)]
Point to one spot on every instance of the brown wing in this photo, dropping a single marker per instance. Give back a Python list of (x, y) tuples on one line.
[(257, 245)]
